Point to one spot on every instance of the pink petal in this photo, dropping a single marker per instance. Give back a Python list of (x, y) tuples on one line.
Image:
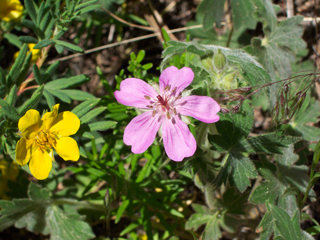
[(176, 78), (177, 139), (132, 92), (202, 108), (141, 132)]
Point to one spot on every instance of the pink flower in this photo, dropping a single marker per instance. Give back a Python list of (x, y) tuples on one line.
[(164, 108)]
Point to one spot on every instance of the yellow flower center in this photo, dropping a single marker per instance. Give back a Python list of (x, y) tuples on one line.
[(45, 140)]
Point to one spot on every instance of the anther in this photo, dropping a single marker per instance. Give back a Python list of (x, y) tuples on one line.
[(168, 115), (147, 97), (153, 113), (167, 88), (175, 111), (174, 90)]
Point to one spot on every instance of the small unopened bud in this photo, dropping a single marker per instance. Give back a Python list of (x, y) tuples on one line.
[(207, 62), (219, 60), (224, 110), (236, 108), (282, 99)]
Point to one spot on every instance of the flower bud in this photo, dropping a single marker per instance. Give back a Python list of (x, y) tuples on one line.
[(207, 62), (219, 60)]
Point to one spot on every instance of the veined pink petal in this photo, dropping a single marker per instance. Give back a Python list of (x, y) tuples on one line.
[(141, 131), (133, 91), (202, 108), (177, 139), (176, 78)]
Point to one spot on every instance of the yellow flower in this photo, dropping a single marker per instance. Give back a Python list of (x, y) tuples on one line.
[(10, 10), (8, 172), (41, 136), (36, 53)]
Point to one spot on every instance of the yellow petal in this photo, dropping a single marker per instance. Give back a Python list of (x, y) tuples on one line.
[(49, 117), (23, 151), (29, 122), (65, 124), (67, 148), (40, 164)]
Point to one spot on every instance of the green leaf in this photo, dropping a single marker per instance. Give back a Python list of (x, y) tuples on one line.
[(32, 102), (242, 14), (283, 223), (18, 63), (31, 10), (67, 82), (44, 43), (212, 11), (28, 39), (265, 13), (85, 107), (70, 46), (268, 143), (12, 96), (67, 227), (77, 94), (196, 220), (140, 56), (92, 114), (50, 71), (49, 98), (88, 9), (37, 74), (121, 209), (102, 126), (212, 230), (13, 39), (59, 94), (242, 170), (40, 214), (276, 51), (266, 226), (32, 25), (9, 110)]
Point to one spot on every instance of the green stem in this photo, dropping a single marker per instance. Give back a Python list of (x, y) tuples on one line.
[(229, 37)]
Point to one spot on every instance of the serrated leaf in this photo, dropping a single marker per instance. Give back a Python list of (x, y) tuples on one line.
[(268, 143), (40, 214), (85, 107), (242, 14), (283, 223), (265, 13), (69, 46), (266, 191), (212, 11), (212, 230), (67, 82), (196, 220), (276, 51), (67, 227), (265, 227), (242, 170)]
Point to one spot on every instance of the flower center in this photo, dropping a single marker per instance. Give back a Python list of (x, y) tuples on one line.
[(164, 104), (45, 140)]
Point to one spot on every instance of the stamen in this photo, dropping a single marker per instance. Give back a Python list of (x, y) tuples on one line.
[(167, 88), (168, 115), (149, 106), (174, 90), (153, 113), (147, 97), (175, 111)]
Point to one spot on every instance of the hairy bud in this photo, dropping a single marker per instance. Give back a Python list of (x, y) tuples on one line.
[(219, 60)]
